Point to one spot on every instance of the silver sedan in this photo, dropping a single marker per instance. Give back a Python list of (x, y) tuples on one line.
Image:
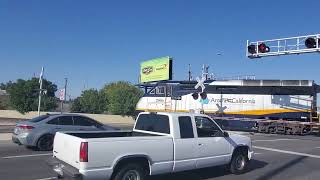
[(39, 132)]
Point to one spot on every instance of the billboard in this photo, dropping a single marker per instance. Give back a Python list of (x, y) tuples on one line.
[(156, 69)]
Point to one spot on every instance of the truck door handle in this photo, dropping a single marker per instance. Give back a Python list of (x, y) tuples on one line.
[(200, 144)]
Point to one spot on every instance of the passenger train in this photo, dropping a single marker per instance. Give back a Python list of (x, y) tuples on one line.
[(259, 99)]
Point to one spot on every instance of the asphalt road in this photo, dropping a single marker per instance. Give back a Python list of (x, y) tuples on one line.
[(278, 157)]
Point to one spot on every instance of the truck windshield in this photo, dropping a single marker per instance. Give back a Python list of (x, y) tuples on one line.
[(153, 122)]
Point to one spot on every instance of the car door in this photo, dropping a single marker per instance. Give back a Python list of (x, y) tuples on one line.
[(213, 148), (85, 124), (186, 146)]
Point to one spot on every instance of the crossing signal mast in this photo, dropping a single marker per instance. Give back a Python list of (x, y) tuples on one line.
[(283, 46)]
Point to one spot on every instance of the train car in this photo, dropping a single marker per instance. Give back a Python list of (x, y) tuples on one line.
[(258, 99)]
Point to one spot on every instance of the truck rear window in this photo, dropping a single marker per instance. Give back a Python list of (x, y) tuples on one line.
[(153, 122)]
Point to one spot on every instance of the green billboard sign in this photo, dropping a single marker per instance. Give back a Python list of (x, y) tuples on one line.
[(156, 69)]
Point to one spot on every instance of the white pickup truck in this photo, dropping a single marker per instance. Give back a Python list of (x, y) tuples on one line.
[(159, 143)]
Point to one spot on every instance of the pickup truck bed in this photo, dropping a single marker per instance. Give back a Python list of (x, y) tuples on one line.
[(88, 135)]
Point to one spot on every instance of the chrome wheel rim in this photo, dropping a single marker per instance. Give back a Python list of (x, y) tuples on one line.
[(131, 175), (240, 162)]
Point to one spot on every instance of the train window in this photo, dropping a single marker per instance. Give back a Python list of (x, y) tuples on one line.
[(153, 91), (160, 90), (169, 91)]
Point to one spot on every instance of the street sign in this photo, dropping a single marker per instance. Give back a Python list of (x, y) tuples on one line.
[(62, 94)]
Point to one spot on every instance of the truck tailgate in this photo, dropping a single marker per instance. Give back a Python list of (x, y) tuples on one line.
[(66, 148)]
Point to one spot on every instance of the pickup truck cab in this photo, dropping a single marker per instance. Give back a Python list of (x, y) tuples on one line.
[(159, 143)]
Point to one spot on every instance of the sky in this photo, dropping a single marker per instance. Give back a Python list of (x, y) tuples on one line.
[(97, 42)]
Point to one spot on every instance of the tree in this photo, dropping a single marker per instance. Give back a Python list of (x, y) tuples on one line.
[(4, 97), (76, 106), (6, 86), (4, 102), (24, 95), (122, 97), (90, 101)]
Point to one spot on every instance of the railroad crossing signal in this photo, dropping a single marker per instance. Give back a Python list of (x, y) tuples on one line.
[(283, 46), (204, 99), (200, 83)]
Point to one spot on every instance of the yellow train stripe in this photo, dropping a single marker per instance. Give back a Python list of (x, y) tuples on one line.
[(248, 112), (267, 111)]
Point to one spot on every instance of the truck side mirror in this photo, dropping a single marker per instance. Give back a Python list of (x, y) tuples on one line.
[(225, 134)]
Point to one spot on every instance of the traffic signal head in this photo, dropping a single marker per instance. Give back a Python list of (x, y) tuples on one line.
[(311, 42), (263, 48)]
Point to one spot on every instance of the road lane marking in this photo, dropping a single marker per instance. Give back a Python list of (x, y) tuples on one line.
[(47, 178), (270, 140), (287, 152), (22, 156)]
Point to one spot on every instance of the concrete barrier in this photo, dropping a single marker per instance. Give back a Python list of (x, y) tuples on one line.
[(5, 136), (103, 118)]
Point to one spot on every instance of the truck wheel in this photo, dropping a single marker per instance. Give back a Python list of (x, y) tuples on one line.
[(45, 142), (239, 163), (130, 171)]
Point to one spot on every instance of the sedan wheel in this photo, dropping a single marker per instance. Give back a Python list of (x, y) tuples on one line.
[(45, 143)]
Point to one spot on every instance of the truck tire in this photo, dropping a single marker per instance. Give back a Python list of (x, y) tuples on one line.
[(45, 142), (239, 162), (131, 171)]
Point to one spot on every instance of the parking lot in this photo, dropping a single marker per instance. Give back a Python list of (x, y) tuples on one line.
[(276, 157)]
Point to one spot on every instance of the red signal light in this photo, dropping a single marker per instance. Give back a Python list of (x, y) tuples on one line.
[(252, 49), (195, 96), (311, 42), (203, 95), (263, 48)]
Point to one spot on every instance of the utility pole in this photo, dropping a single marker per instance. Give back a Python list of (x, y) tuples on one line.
[(189, 73), (65, 94), (40, 90), (205, 71)]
